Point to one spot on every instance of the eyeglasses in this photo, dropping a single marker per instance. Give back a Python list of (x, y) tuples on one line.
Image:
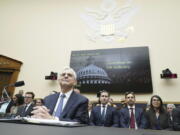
[(27, 97)]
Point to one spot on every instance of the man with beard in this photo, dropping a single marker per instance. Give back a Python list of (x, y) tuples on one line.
[(131, 116)]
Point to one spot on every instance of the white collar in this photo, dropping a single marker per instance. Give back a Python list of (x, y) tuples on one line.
[(129, 107), (67, 93), (104, 105), (28, 104)]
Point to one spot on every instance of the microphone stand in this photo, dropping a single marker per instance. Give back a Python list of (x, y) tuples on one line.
[(5, 91)]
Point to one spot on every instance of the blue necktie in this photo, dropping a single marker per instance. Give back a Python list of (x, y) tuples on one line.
[(103, 115), (60, 106)]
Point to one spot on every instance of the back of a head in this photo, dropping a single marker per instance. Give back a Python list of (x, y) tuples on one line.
[(20, 99)]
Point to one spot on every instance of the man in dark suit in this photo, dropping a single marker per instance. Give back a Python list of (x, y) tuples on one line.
[(66, 105), (131, 116), (176, 118), (104, 115), (27, 108)]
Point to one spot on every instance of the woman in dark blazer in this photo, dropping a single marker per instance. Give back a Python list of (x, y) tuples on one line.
[(157, 116)]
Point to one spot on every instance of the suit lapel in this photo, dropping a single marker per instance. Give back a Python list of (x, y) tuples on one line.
[(69, 103), (127, 112), (107, 112), (29, 109), (53, 102), (23, 111), (99, 112), (136, 113)]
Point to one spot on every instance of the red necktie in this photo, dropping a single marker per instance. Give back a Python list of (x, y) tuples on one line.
[(132, 120)]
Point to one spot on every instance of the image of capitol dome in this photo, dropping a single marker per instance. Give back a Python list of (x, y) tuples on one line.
[(92, 74), (117, 70)]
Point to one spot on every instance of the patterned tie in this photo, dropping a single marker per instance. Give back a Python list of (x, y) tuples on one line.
[(60, 106), (103, 115), (25, 108), (132, 120)]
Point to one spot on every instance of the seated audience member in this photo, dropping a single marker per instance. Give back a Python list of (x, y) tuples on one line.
[(147, 106), (26, 109), (11, 103), (77, 91), (157, 116), (104, 115), (176, 118), (170, 108), (21, 92), (18, 101), (38, 102), (90, 107), (110, 103), (4, 103), (122, 104), (98, 102), (66, 105), (131, 116)]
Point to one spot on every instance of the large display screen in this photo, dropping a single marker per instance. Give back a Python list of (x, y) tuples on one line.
[(115, 70)]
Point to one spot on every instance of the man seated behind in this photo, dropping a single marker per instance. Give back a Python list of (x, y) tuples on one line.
[(104, 115), (27, 108), (66, 105), (176, 118), (131, 116)]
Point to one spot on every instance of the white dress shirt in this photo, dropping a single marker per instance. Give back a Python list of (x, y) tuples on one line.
[(27, 106), (129, 108), (4, 107), (66, 98), (103, 108)]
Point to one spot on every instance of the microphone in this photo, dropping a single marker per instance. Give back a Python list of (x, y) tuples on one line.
[(16, 84)]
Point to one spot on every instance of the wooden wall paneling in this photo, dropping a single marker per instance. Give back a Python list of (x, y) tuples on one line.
[(8, 65)]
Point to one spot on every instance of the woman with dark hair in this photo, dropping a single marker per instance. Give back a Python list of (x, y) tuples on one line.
[(157, 116), (38, 102), (18, 101)]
